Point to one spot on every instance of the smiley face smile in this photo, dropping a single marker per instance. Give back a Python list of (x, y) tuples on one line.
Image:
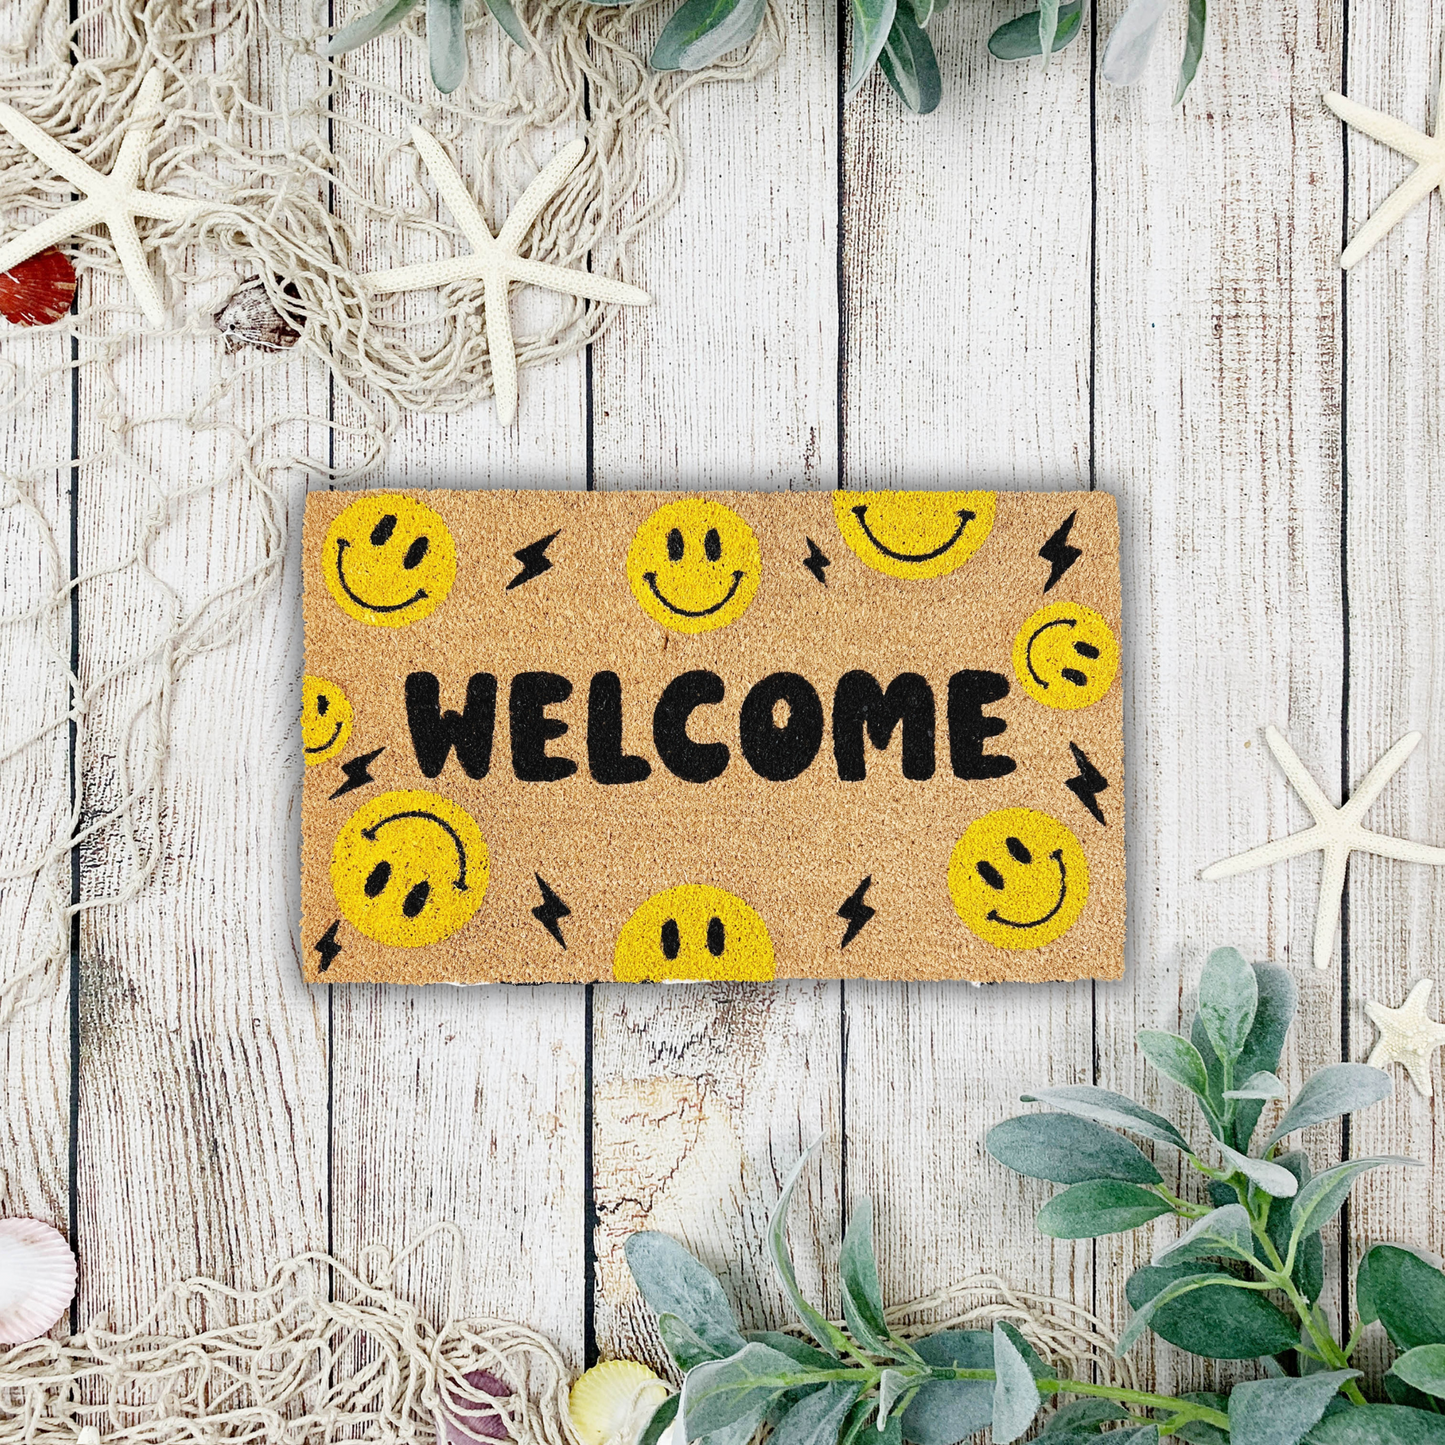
[(651, 579), (341, 545), (461, 879), (326, 719), (964, 518), (995, 916)]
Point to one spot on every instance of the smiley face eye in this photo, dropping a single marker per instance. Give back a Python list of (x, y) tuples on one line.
[(323, 704), (671, 940), (416, 899), (377, 879), (1073, 675), (1087, 649), (381, 533), (717, 937), (1017, 851), (991, 875), (415, 553), (674, 546), (712, 545)]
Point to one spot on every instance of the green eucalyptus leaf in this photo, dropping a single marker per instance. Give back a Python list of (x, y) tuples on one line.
[(892, 1385), (1018, 39), (1221, 1324), (1016, 1397), (369, 26), (1200, 1432), (818, 1417), (1379, 1425), (703, 31), (1334, 1090), (1405, 1293), (1222, 1232), (674, 1283), (855, 1428), (1100, 1206), (1402, 1394), (944, 1412), (1281, 1412), (446, 43), (795, 1349), (828, 1335), (1278, 999), (1135, 1435), (922, 11), (1048, 27), (862, 1295), (661, 1420), (1176, 1058), (1309, 1264), (1319, 1201), (1193, 47), (1261, 1086), (872, 21), (1079, 1422), (1272, 1178), (891, 1433), (683, 1344), (1030, 1356), (909, 64), (1218, 1285), (1228, 1001), (1126, 52), (507, 17), (1119, 1111), (1067, 1150), (1423, 1368), (739, 1390)]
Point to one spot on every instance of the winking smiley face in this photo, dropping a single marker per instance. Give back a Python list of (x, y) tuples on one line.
[(694, 565), (389, 561)]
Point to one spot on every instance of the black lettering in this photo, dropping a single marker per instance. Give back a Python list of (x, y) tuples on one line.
[(693, 762), (969, 729), (605, 759), (780, 754), (435, 733), (859, 702), (532, 693)]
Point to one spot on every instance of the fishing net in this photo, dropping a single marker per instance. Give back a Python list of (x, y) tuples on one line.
[(276, 369)]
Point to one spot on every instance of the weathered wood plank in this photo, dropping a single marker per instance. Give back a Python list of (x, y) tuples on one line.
[(1218, 399), (464, 1104), (966, 245), (705, 1095), (1397, 595)]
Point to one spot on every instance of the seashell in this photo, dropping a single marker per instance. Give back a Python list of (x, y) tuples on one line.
[(37, 1279), (249, 319), (612, 1402), (466, 1420), (39, 290)]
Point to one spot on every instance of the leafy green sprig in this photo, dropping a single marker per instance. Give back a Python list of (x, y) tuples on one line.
[(1242, 1281)]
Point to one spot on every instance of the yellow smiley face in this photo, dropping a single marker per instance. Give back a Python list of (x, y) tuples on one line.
[(914, 535), (693, 931), (388, 560), (694, 565), (325, 719), (1018, 878), (409, 868), (1066, 656)]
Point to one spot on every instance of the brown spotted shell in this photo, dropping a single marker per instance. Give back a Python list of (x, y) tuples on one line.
[(249, 319)]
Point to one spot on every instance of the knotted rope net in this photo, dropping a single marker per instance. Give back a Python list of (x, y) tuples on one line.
[(304, 177), (323, 1353)]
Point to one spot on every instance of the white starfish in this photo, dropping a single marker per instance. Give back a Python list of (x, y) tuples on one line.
[(494, 259), (1427, 151), (114, 199), (1408, 1035), (1336, 834)]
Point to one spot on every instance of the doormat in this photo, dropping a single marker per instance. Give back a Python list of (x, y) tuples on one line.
[(735, 735)]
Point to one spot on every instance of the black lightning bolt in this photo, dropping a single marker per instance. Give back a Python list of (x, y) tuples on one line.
[(856, 912), (357, 772), (816, 562), (327, 947), (1088, 783), (534, 560), (551, 910), (1058, 552)]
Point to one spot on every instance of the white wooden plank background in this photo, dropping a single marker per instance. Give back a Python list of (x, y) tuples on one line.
[(1047, 283)]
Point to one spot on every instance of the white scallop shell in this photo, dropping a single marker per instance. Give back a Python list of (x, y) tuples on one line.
[(37, 1279)]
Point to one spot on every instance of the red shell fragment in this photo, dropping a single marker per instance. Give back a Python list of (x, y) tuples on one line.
[(38, 291)]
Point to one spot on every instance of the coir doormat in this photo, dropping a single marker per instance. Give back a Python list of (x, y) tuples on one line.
[(577, 736)]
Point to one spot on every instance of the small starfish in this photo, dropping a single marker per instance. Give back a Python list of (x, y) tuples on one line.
[(495, 261), (1427, 151), (1408, 1035), (1336, 833), (114, 199)]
